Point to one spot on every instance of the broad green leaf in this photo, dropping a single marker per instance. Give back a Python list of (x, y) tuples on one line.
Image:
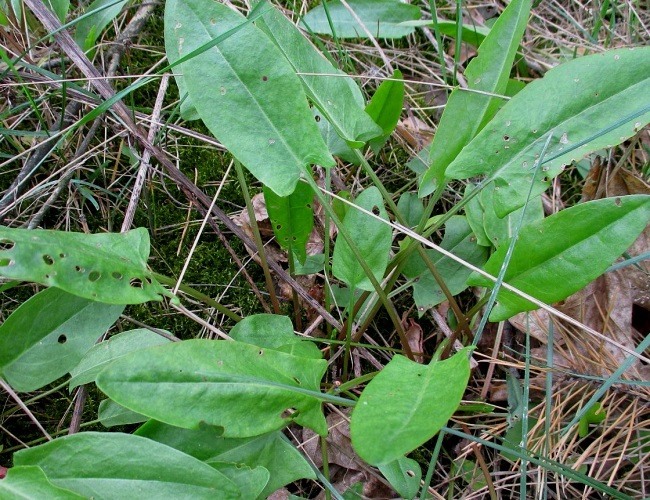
[(459, 240), (471, 34), (48, 334), (250, 481), (500, 230), (385, 108), (106, 267), (371, 236), (102, 354), (245, 389), (467, 112), (270, 451), (410, 208), (406, 405), (89, 28), (246, 93), (557, 256), (382, 18), (275, 332), (117, 466), (29, 482), (475, 213), (404, 476), (292, 218), (111, 414), (513, 438), (334, 93), (587, 112)]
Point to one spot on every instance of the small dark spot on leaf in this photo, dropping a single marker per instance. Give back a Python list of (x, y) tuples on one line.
[(294, 238), (79, 269), (496, 152), (62, 339), (261, 352), (136, 283), (62, 255), (94, 276), (297, 380), (48, 259), (278, 227), (308, 205), (116, 275), (617, 202), (375, 210), (317, 118), (148, 280), (265, 78), (506, 138), (6, 244), (410, 473)]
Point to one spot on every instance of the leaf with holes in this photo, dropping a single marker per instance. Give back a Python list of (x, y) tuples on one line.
[(467, 112), (273, 331), (292, 219), (404, 476), (30, 482), (285, 463), (48, 334), (102, 354), (372, 238), (557, 256), (587, 113), (106, 267), (245, 389), (406, 405), (385, 108), (382, 18), (246, 93), (116, 466), (334, 93)]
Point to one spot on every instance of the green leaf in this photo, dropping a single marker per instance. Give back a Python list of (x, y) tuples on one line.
[(410, 208), (245, 389), (471, 34), (111, 414), (270, 451), (594, 415), (334, 93), (246, 93), (385, 108), (106, 267), (59, 7), (514, 436), (557, 256), (467, 112), (500, 230), (89, 28), (275, 332), (118, 466), (48, 334), (102, 354), (251, 481), (405, 405), (382, 18), (371, 236), (336, 145), (587, 112), (404, 476), (292, 218), (475, 214), (460, 241), (29, 482)]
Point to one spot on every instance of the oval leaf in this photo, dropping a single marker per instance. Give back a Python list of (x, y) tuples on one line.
[(385, 107), (30, 482), (246, 93), (587, 113), (561, 254), (118, 466), (333, 92), (245, 389), (382, 18), (292, 218), (405, 405), (48, 335), (371, 236), (107, 267)]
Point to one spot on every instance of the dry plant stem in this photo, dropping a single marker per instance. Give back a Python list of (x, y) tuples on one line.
[(34, 162), (7, 388), (77, 412), (484, 469), (146, 156), (182, 309), (162, 333), (257, 237), (493, 357), (442, 324), (195, 195)]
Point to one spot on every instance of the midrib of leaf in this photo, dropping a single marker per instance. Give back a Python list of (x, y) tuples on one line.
[(271, 124)]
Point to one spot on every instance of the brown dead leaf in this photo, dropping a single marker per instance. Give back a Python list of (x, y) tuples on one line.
[(415, 338), (415, 132)]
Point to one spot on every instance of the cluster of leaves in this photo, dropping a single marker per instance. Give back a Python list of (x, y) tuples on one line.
[(213, 411)]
